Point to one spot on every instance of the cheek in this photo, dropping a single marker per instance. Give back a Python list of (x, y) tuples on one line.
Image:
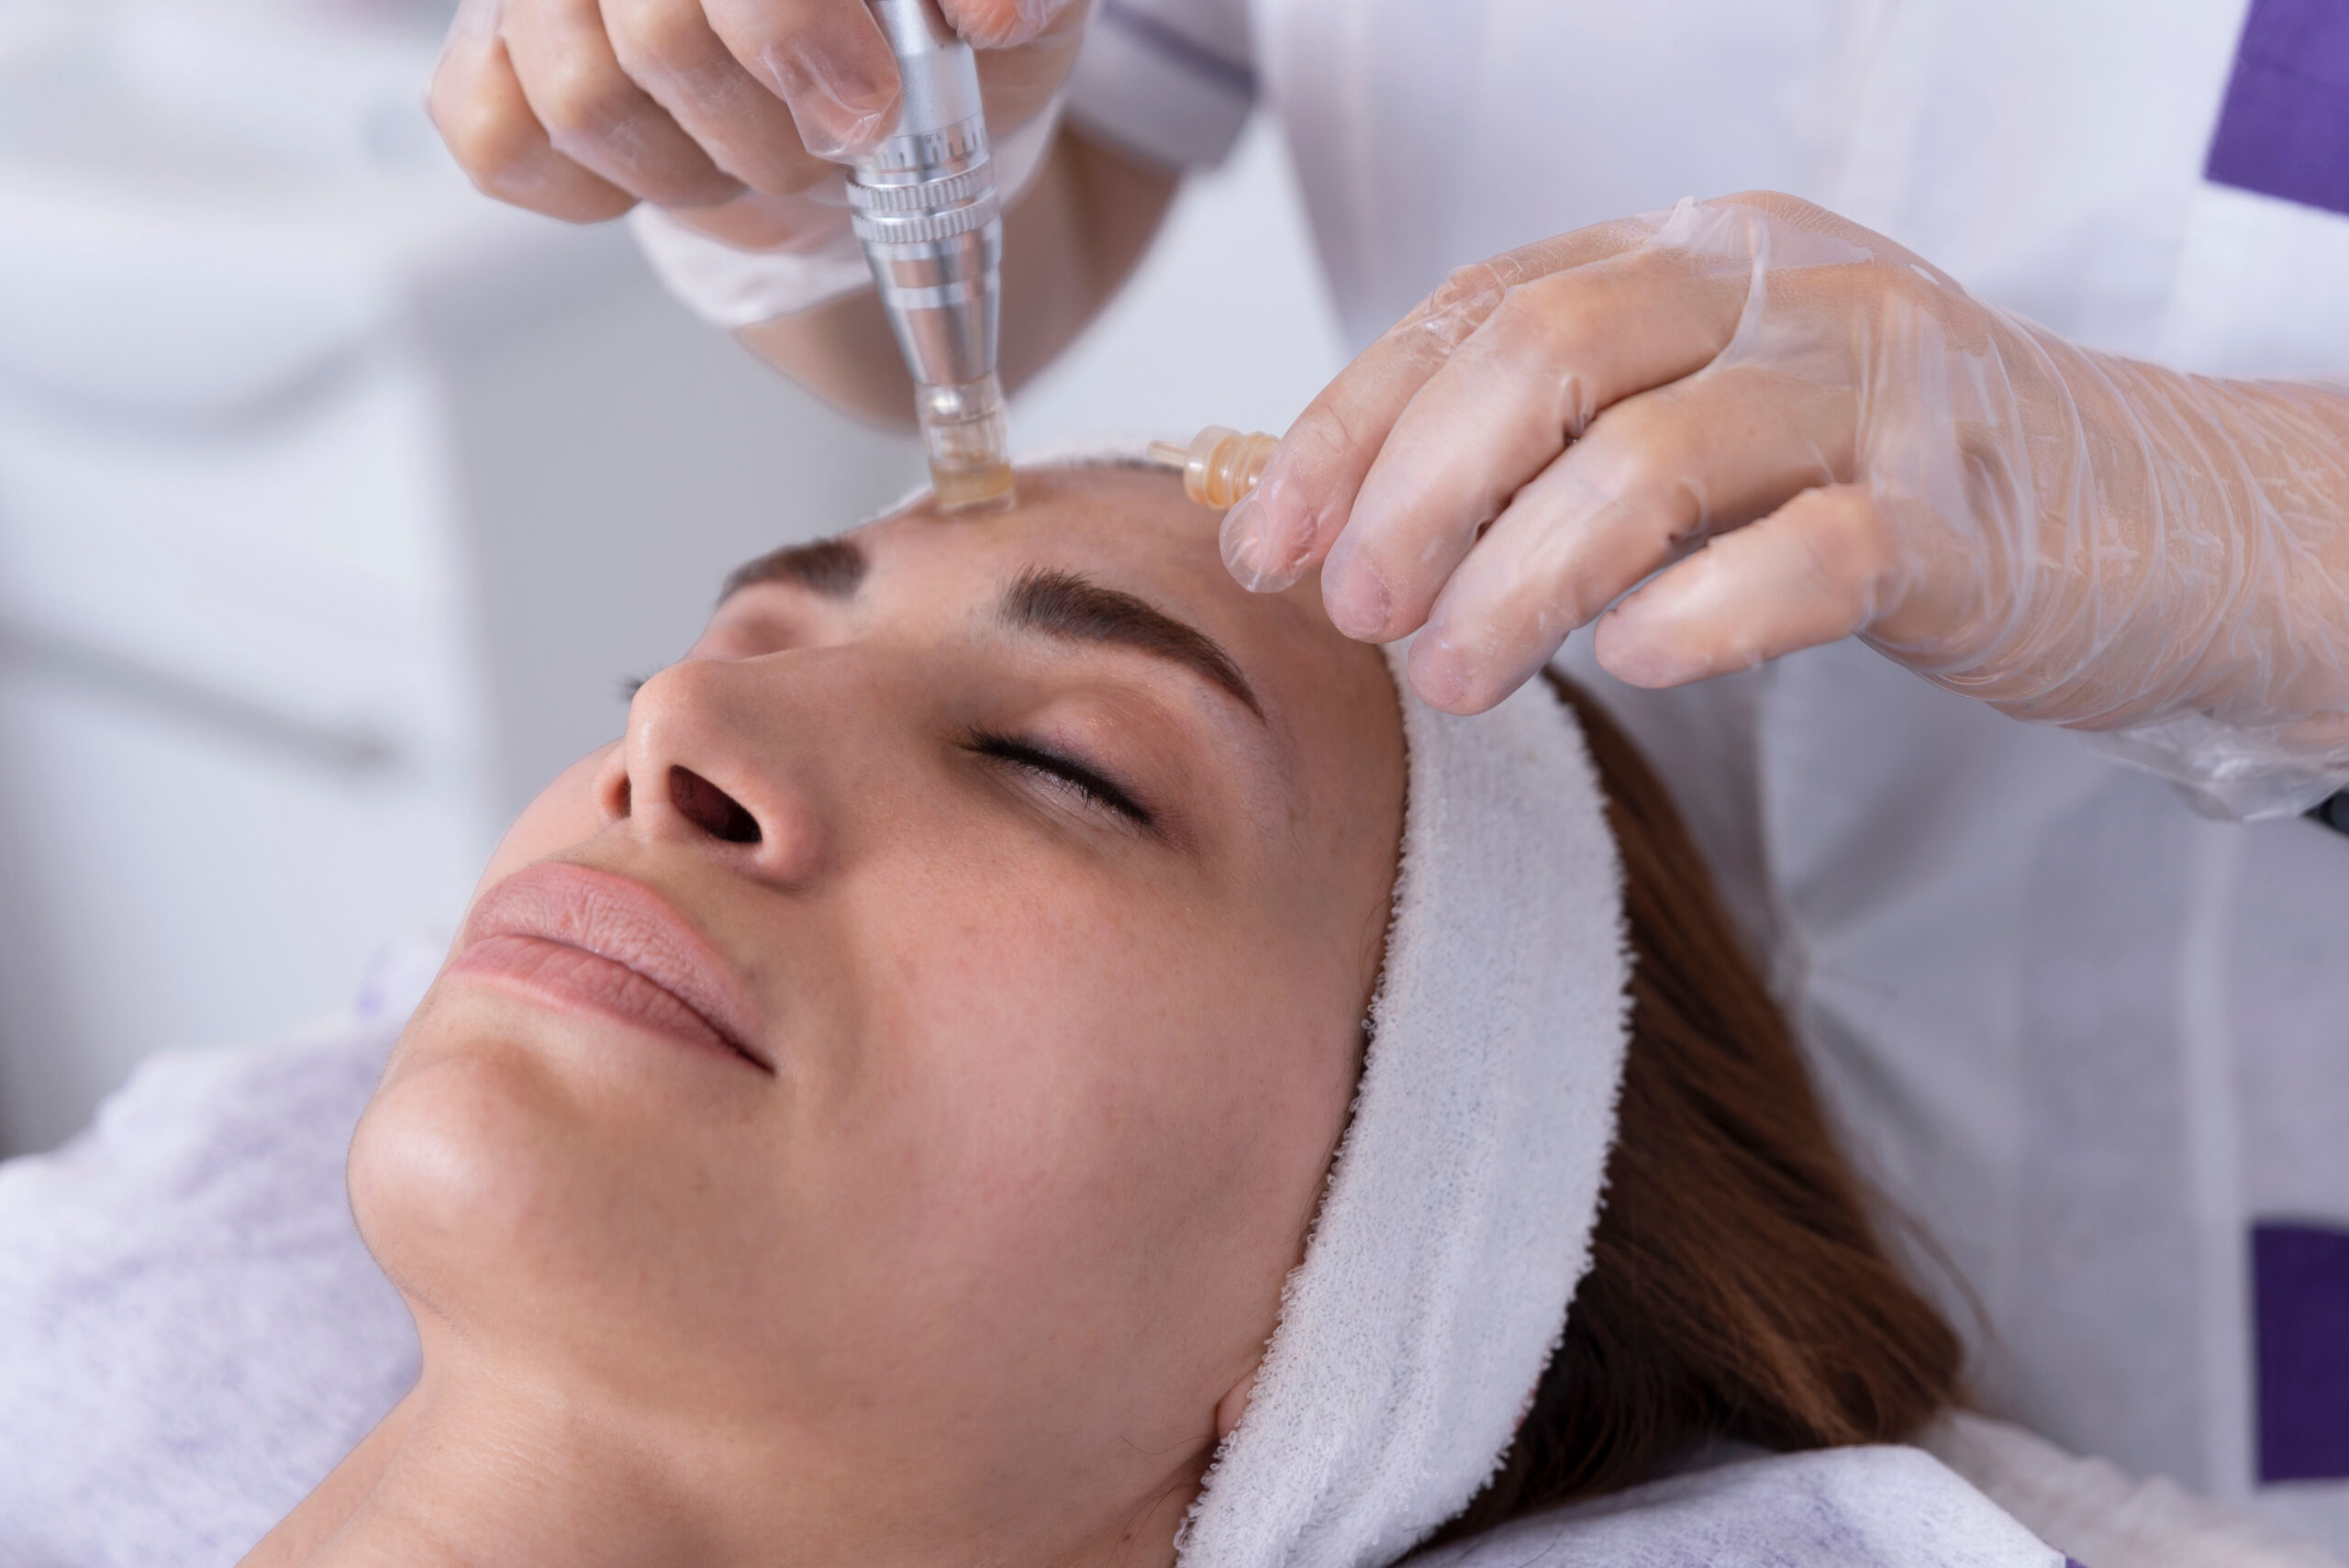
[(1120, 1109)]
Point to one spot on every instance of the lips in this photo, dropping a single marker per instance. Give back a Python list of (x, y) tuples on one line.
[(576, 938)]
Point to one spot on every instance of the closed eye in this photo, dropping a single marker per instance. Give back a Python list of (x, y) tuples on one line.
[(1065, 771)]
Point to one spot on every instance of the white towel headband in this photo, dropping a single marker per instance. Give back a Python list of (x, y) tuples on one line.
[(1459, 1211)]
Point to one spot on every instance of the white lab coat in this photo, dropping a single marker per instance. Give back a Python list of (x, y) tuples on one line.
[(2085, 1038)]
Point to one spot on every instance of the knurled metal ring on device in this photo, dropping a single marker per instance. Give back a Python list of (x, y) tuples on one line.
[(958, 143), (928, 194), (919, 229)]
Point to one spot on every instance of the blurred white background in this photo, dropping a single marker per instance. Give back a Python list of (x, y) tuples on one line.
[(337, 502)]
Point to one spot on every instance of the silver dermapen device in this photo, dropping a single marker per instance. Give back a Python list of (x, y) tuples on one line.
[(924, 205)]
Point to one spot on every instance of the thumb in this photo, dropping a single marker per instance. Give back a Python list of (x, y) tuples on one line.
[(1005, 23)]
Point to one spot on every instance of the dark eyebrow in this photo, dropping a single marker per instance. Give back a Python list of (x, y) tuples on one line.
[(833, 568), (1064, 605)]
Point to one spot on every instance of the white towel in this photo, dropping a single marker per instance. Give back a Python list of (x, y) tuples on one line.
[(2098, 1514), (191, 1333), (1458, 1214), (1845, 1507)]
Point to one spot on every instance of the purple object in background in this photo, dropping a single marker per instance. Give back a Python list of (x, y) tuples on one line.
[(2300, 1304), (2283, 129)]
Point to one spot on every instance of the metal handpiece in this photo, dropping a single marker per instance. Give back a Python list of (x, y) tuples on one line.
[(924, 205)]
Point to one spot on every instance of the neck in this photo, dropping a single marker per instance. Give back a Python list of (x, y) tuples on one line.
[(474, 1469), (466, 1472)]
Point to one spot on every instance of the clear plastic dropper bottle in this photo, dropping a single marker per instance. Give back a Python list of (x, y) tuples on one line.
[(1219, 466)]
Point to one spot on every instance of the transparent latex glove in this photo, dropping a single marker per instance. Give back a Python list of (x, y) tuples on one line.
[(1803, 432), (735, 115)]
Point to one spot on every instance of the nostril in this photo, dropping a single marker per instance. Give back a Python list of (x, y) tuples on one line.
[(710, 808)]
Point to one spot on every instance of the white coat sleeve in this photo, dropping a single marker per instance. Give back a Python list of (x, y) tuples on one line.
[(1171, 81)]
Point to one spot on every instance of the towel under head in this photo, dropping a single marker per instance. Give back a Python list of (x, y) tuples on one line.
[(1458, 1216)]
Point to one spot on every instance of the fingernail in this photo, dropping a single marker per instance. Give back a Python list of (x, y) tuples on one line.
[(475, 21), (841, 107), (1005, 23), (1628, 649), (1438, 672), (1242, 541), (1263, 541), (1357, 600)]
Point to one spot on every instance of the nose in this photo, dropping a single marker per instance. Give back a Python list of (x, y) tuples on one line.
[(716, 759)]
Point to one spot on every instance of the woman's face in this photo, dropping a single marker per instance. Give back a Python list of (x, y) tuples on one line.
[(913, 1052)]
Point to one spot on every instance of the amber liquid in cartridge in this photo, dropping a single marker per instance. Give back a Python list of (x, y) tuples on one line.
[(1219, 466), (964, 436)]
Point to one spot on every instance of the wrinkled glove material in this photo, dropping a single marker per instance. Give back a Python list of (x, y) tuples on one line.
[(2077, 538)]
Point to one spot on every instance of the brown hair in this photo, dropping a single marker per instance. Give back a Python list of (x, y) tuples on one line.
[(1737, 1289)]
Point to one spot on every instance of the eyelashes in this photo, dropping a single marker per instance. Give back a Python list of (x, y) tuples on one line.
[(1094, 788)]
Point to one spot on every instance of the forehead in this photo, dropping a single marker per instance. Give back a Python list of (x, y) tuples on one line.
[(1110, 520), (1129, 529)]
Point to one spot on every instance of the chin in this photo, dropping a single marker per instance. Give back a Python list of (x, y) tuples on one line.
[(476, 1176), (449, 1166), (514, 1201)]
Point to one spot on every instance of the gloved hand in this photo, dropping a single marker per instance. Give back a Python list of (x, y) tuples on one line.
[(1807, 433), (734, 112)]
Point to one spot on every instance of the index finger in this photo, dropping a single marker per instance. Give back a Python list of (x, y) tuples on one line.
[(1287, 525), (828, 60)]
